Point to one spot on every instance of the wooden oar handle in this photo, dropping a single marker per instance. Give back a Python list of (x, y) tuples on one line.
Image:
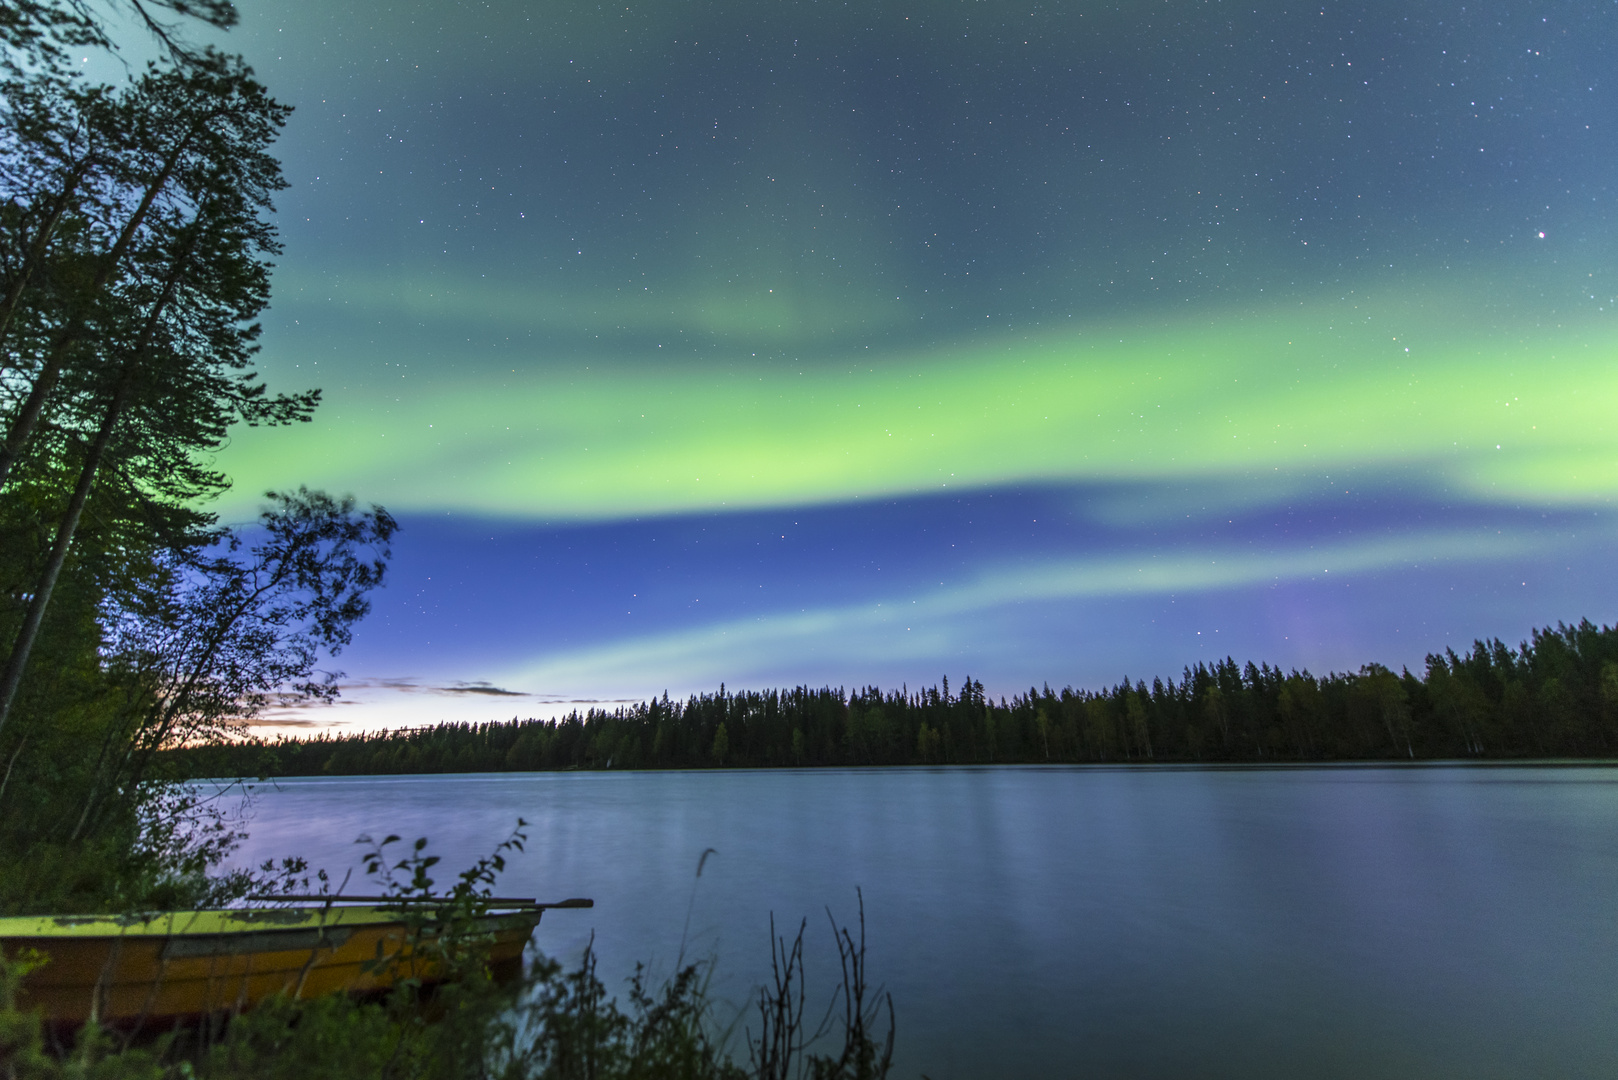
[(493, 901)]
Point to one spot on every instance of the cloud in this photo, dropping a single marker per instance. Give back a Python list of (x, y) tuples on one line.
[(402, 701), (296, 717), (480, 688)]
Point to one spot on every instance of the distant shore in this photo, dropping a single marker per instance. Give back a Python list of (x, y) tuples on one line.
[(1554, 699)]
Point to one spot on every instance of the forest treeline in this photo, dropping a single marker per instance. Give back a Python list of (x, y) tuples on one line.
[(1554, 696)]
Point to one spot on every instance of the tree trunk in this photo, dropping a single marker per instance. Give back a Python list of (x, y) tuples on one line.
[(18, 660), (20, 650), (42, 241)]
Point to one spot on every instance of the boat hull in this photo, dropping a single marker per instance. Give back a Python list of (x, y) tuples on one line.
[(175, 965)]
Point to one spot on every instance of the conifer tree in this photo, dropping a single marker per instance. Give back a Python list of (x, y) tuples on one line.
[(134, 261), (148, 365)]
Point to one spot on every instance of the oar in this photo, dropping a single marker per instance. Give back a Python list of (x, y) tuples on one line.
[(493, 901)]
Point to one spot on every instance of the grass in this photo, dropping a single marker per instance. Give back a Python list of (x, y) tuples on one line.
[(553, 1023)]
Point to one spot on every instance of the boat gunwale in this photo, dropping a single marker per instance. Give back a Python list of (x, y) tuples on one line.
[(227, 922)]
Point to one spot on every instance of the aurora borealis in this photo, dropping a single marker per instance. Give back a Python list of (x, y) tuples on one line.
[(776, 343)]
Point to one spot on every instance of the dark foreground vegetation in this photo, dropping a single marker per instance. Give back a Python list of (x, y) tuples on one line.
[(1554, 696), (135, 241), (551, 1024)]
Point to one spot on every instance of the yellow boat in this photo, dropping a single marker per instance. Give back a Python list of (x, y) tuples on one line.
[(167, 967)]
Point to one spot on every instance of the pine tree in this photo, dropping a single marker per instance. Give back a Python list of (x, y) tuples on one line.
[(147, 367)]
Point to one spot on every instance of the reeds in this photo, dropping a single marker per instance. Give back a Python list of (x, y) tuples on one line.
[(553, 1023)]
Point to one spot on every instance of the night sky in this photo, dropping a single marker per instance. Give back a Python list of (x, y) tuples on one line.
[(775, 343)]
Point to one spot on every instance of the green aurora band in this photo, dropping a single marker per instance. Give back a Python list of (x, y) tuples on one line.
[(1456, 389)]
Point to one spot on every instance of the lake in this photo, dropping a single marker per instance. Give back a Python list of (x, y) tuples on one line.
[(1297, 922)]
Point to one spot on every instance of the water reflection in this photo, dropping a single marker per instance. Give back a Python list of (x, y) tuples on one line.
[(1365, 923)]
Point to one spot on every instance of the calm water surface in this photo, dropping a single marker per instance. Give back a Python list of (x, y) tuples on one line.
[(1356, 923)]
